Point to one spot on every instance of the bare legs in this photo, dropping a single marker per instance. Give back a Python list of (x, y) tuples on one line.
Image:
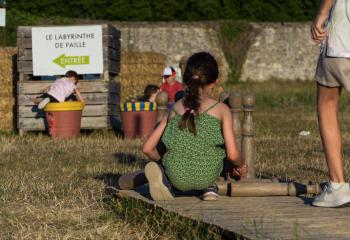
[(328, 109)]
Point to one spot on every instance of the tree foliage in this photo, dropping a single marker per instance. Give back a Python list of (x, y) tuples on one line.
[(167, 10)]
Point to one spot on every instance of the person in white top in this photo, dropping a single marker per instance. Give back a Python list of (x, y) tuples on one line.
[(338, 39), (61, 90), (331, 28)]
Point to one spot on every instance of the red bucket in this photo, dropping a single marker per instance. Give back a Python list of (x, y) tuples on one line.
[(64, 119), (139, 119)]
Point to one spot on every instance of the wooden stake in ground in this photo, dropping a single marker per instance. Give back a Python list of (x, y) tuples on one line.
[(248, 142), (162, 100), (235, 101)]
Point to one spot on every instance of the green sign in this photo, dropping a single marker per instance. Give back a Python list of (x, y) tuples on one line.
[(64, 60)]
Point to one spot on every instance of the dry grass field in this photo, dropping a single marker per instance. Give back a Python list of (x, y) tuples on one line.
[(55, 189)]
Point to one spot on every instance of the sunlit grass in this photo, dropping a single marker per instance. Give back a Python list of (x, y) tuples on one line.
[(55, 189)]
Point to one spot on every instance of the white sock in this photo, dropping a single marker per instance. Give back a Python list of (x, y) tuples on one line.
[(336, 185)]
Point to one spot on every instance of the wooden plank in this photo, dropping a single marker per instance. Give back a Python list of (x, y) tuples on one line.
[(112, 66), (85, 86), (111, 30), (24, 77), (90, 98), (25, 66), (23, 43), (89, 111), (112, 42), (110, 53), (36, 124), (24, 54), (259, 217)]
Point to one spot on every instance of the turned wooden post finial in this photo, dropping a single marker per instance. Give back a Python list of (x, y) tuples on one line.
[(235, 101), (162, 100), (248, 133)]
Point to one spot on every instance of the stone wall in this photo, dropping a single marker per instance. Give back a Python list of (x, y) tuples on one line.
[(176, 40), (282, 51)]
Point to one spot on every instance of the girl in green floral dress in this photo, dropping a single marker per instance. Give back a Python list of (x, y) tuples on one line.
[(198, 136)]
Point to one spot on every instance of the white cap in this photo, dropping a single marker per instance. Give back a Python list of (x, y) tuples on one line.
[(167, 71)]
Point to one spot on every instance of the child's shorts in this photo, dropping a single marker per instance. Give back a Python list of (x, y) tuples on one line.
[(333, 71)]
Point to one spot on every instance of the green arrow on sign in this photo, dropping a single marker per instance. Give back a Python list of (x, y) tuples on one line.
[(64, 60)]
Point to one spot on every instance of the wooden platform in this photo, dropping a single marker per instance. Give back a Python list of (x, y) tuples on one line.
[(259, 217)]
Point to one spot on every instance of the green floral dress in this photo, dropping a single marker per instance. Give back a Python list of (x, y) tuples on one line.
[(194, 162)]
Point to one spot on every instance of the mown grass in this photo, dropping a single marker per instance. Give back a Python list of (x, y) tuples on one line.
[(55, 189), (283, 110)]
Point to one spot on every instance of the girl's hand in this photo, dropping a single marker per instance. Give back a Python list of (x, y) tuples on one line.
[(241, 171)]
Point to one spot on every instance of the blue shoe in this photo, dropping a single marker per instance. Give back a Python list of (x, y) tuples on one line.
[(211, 193)]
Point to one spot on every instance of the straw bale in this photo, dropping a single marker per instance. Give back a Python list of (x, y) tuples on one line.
[(6, 73), (6, 93), (142, 58), (6, 116), (6, 78), (6, 121), (133, 85), (138, 70), (7, 86), (145, 69), (6, 104)]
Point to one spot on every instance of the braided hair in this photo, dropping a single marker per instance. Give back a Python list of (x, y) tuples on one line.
[(201, 70)]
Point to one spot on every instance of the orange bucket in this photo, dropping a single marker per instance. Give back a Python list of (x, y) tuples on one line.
[(64, 119)]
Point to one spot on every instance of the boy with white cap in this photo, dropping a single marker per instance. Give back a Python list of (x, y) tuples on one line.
[(170, 85)]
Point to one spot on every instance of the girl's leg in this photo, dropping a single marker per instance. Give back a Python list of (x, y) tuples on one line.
[(46, 98), (336, 193), (328, 109), (159, 186)]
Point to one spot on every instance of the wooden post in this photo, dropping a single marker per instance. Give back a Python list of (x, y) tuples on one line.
[(235, 102), (105, 75), (260, 189), (248, 142), (162, 100)]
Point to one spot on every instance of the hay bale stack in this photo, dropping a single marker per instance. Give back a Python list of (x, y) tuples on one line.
[(7, 99), (137, 70)]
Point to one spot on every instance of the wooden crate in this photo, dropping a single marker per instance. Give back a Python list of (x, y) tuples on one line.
[(102, 96)]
